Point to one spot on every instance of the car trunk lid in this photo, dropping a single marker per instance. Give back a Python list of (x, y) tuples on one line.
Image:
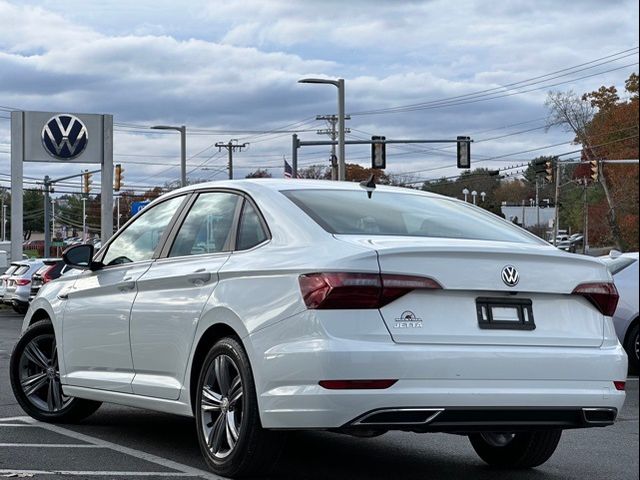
[(471, 274)]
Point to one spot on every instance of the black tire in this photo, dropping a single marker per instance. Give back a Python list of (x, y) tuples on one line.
[(631, 347), (20, 309), (523, 450), (230, 434), (34, 362)]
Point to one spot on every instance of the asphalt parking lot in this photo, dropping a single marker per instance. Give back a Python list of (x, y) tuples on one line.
[(118, 442)]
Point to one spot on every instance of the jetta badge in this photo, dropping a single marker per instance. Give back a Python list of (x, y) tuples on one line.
[(510, 276), (408, 319), (64, 136)]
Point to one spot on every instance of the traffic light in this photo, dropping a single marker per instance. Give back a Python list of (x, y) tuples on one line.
[(593, 165), (86, 187), (548, 169), (118, 178), (464, 152), (539, 166), (378, 152)]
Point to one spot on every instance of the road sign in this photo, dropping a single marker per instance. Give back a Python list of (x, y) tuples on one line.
[(137, 206)]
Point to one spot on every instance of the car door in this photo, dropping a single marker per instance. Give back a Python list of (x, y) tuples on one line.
[(174, 290), (96, 345)]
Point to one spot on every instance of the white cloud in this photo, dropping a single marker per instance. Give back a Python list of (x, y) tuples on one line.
[(235, 64)]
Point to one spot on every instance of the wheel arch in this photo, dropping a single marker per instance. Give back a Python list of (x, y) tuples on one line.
[(39, 315), (209, 337)]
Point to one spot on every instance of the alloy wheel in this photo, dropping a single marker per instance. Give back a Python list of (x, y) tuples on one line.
[(221, 406), (39, 374)]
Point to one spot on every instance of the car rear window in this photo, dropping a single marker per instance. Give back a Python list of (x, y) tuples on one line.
[(403, 214), (21, 269), (10, 270)]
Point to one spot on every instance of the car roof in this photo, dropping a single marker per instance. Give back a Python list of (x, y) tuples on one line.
[(281, 184)]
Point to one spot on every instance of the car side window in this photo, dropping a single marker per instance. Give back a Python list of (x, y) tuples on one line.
[(207, 226), (250, 231), (139, 240)]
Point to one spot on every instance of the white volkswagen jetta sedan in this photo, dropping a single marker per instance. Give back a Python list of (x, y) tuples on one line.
[(259, 306)]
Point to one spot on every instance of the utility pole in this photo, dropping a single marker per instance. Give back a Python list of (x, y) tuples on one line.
[(537, 203), (53, 218), (585, 233), (295, 144), (47, 217), (84, 219), (557, 213), (332, 121), (231, 147), (3, 214), (4, 221), (118, 212)]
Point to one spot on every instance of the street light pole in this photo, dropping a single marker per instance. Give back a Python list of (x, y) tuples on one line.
[(342, 169), (339, 84), (183, 149)]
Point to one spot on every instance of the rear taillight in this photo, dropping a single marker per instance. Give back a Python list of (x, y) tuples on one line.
[(22, 282), (603, 295), (46, 275), (344, 290), (620, 385)]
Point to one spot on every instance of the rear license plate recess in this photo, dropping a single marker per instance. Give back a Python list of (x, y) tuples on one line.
[(505, 313)]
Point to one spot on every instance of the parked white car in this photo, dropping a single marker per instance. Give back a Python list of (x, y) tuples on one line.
[(259, 306), (624, 268)]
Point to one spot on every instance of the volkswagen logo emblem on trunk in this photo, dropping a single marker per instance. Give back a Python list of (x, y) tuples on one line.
[(510, 276), (64, 136)]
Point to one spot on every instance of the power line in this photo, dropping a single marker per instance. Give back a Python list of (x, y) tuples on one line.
[(461, 99)]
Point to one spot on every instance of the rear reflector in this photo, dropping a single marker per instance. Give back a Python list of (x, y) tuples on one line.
[(619, 385), (22, 282), (603, 295), (356, 384), (344, 290)]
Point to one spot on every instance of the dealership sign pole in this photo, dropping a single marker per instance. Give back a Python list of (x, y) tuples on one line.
[(60, 138)]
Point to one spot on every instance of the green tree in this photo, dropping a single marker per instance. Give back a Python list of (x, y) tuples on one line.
[(33, 212)]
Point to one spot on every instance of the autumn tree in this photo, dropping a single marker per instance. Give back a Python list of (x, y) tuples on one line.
[(607, 128)]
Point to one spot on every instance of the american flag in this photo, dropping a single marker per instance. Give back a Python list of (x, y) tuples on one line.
[(288, 171)]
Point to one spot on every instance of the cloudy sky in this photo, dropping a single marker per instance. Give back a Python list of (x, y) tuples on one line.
[(229, 70)]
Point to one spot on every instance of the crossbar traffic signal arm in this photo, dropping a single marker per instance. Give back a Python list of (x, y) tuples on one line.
[(465, 152)]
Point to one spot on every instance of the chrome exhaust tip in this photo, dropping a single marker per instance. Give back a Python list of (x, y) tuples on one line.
[(399, 416), (599, 416)]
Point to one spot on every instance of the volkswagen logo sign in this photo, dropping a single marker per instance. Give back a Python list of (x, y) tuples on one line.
[(64, 136), (510, 276)]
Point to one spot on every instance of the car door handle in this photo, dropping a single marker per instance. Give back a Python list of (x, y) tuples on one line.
[(126, 286), (199, 277)]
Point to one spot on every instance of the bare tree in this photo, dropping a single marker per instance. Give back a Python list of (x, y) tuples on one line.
[(575, 114)]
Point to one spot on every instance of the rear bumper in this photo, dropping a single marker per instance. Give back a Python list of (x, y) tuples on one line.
[(450, 377), (465, 420), (311, 406)]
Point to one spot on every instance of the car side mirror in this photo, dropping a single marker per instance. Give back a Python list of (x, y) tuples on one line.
[(80, 256)]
